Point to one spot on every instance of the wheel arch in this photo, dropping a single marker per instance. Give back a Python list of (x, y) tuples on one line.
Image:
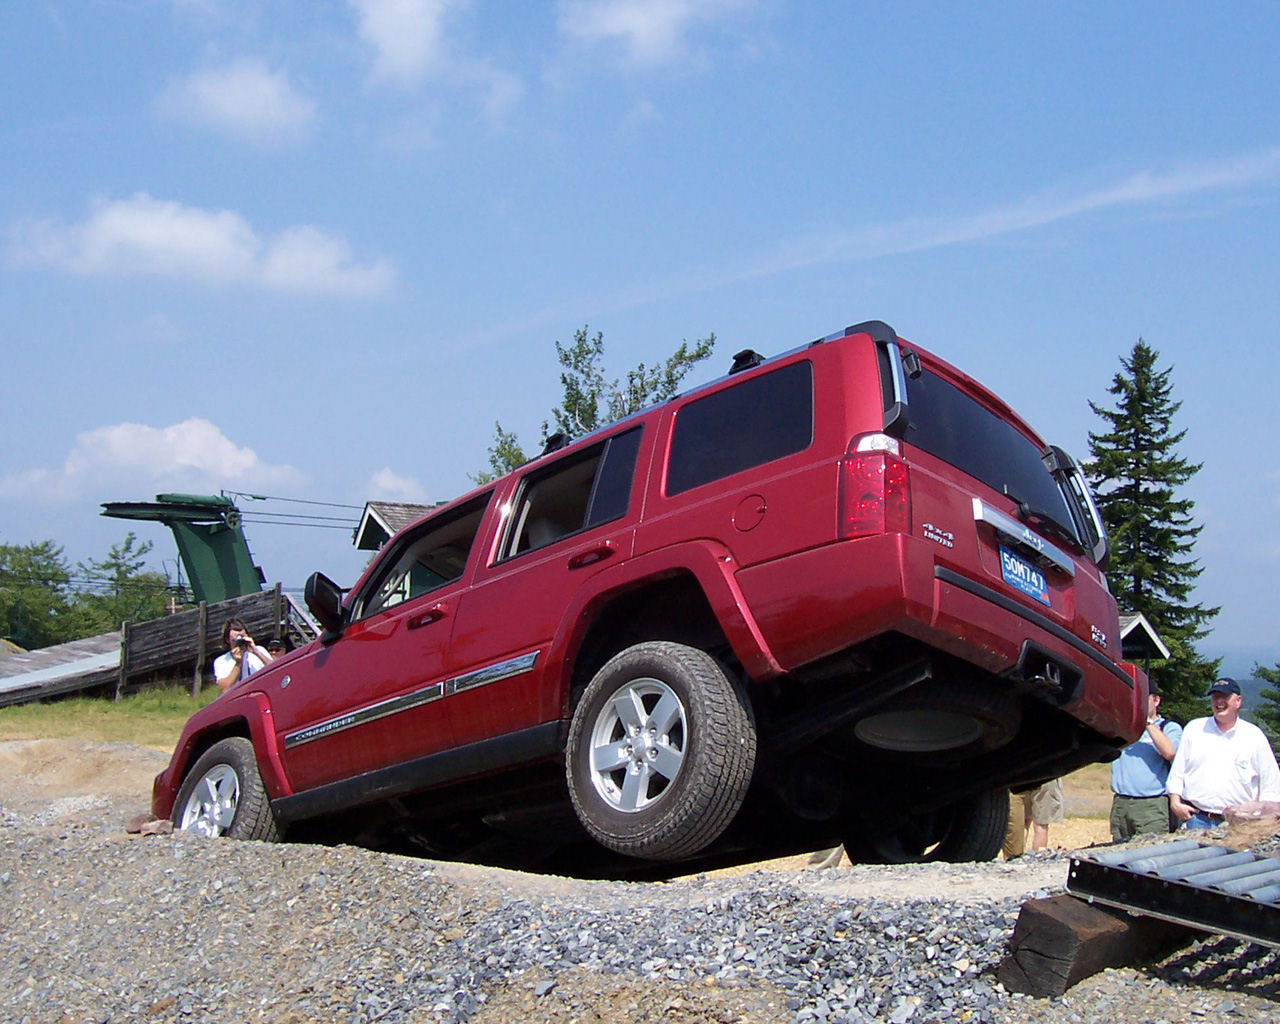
[(669, 607), (248, 722), (685, 593)]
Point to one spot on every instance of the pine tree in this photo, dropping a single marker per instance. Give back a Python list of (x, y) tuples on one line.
[(1266, 716), (1136, 473)]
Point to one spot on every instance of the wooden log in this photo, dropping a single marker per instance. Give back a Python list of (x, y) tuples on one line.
[(1062, 940)]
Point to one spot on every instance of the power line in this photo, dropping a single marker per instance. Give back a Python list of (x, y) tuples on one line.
[(276, 497)]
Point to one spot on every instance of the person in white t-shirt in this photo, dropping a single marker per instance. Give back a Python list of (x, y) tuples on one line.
[(243, 656), (1222, 761)]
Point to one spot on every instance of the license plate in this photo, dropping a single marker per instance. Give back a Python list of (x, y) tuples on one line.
[(1022, 575)]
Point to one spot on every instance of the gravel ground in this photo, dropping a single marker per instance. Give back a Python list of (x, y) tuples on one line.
[(102, 926)]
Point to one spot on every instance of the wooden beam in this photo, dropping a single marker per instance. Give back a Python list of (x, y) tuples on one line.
[(202, 627), (1062, 940)]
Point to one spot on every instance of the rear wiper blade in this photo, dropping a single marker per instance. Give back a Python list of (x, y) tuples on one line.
[(1030, 514)]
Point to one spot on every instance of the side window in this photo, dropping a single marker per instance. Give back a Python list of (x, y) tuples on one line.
[(749, 424), (433, 555), (578, 492)]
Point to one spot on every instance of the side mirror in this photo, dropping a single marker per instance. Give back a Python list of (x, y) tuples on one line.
[(324, 600)]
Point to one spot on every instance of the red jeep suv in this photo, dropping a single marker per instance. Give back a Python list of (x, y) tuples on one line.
[(843, 595)]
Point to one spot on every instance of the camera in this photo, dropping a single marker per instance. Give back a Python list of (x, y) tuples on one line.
[(243, 641)]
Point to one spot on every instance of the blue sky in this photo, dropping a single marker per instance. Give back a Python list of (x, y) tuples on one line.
[(315, 249)]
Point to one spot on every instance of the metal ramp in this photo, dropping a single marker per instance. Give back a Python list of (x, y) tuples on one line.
[(1212, 888)]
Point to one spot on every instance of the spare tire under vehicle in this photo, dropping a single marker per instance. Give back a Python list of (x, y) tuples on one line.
[(660, 751)]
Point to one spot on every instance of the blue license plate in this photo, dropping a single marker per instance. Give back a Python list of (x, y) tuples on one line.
[(1022, 575)]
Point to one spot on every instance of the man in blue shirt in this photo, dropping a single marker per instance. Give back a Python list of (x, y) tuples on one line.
[(1139, 774)]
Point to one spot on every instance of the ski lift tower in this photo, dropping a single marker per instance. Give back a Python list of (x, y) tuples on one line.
[(210, 541)]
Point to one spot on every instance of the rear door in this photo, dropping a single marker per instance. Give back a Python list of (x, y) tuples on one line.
[(567, 521)]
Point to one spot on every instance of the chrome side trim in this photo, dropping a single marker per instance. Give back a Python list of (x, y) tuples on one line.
[(492, 673), (370, 714), (405, 702), (1022, 535)]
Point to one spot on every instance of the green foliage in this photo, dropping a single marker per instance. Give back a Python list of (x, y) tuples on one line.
[(42, 602), (36, 603), (505, 454), (591, 398), (1266, 716), (119, 590), (1136, 474)]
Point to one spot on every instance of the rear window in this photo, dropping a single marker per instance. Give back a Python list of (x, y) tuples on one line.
[(761, 419), (946, 422)]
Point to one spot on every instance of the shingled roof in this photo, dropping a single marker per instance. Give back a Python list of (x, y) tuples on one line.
[(381, 519)]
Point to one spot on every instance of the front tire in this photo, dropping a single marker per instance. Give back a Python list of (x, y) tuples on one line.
[(660, 752), (223, 795)]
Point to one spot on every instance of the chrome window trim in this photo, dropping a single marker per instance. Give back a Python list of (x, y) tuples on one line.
[(1022, 535)]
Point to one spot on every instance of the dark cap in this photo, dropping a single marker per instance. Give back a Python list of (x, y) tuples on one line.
[(275, 644), (1225, 685), (1152, 688)]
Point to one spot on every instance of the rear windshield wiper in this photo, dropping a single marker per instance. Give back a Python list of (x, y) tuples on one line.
[(1030, 514)]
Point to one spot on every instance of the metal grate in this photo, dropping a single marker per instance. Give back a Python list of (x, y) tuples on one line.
[(1213, 888)]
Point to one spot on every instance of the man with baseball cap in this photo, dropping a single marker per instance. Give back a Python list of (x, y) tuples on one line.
[(1222, 761), (1139, 775)]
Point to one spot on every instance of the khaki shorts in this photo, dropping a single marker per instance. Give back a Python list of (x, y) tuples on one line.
[(1044, 806)]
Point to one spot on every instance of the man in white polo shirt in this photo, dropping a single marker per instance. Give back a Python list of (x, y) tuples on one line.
[(1222, 761)]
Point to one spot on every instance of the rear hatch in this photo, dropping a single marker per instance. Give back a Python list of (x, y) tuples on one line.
[(998, 506)]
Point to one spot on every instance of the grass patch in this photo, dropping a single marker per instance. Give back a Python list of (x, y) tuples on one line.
[(153, 718)]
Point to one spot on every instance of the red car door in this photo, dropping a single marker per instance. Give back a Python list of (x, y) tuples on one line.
[(567, 521), (373, 698)]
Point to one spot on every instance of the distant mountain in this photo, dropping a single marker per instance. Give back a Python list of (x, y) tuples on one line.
[(1251, 691)]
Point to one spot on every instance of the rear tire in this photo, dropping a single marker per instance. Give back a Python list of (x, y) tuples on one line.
[(223, 795), (971, 830), (660, 752)]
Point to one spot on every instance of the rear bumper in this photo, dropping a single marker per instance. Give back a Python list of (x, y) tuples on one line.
[(816, 603)]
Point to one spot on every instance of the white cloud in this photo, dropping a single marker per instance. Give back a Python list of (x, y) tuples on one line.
[(193, 455), (407, 36), (1145, 187), (649, 31), (243, 99), (385, 485), (142, 236)]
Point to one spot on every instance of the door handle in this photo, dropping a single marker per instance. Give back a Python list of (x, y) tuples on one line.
[(592, 555), (433, 614)]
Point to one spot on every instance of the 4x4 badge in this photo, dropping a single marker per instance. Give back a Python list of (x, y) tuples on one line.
[(944, 537)]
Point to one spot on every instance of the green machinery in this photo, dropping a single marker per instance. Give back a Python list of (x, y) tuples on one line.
[(210, 541)]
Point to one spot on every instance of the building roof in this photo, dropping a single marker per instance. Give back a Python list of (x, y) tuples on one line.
[(1138, 638), (381, 519)]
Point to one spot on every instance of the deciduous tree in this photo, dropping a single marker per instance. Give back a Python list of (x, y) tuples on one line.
[(117, 589), (36, 607), (591, 398)]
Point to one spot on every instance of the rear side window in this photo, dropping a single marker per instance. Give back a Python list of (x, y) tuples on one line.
[(576, 493), (749, 424), (946, 422)]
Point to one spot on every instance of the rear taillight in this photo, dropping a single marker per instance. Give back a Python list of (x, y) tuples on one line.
[(875, 494)]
